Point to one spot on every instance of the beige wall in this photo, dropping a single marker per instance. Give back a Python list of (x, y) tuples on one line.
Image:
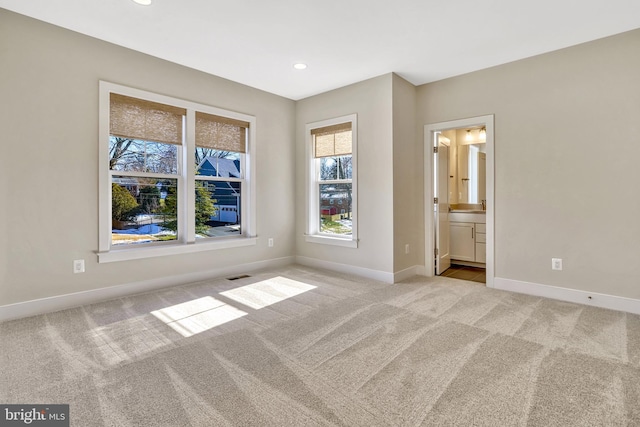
[(567, 133), (371, 101), (49, 170), (407, 177)]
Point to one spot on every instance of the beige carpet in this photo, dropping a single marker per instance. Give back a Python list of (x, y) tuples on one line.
[(303, 347)]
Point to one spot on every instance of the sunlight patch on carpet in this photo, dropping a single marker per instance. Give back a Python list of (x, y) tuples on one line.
[(267, 292), (192, 317)]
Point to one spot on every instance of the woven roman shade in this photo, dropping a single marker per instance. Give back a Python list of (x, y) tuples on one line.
[(220, 133), (332, 140), (135, 118)]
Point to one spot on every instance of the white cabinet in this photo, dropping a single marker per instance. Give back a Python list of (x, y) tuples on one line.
[(481, 243), (468, 241), (462, 243)]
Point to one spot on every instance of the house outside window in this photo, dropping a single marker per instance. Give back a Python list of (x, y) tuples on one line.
[(220, 158), (172, 172), (332, 179)]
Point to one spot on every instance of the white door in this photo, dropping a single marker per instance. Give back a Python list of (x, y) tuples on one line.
[(441, 208)]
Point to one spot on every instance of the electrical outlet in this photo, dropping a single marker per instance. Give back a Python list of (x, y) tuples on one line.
[(556, 263), (406, 249), (78, 266), (270, 242)]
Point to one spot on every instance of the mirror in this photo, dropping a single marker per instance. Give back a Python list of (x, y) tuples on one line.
[(467, 166)]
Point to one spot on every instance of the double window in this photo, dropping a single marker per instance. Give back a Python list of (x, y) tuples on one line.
[(331, 191), (172, 173)]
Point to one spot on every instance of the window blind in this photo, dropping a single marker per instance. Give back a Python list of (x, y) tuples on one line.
[(220, 133), (135, 118), (332, 140)]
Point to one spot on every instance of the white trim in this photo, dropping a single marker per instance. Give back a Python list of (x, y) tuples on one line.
[(248, 210), (61, 302), (595, 299), (488, 122), (381, 276), (328, 240), (421, 270), (129, 253), (312, 207), (188, 185), (187, 242), (104, 175), (407, 273)]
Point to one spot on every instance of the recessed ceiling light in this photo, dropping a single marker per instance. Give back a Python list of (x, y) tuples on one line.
[(143, 2), (299, 66)]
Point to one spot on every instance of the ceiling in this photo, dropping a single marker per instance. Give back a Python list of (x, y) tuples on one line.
[(256, 42)]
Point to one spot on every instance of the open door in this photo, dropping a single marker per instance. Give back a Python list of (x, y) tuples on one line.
[(441, 202)]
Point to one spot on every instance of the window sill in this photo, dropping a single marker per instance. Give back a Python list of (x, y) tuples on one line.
[(127, 254), (328, 240)]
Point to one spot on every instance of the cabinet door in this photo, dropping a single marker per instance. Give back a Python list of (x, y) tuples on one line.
[(462, 241)]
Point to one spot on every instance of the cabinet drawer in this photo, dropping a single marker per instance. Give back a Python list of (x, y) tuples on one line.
[(481, 228), (481, 237), (481, 252)]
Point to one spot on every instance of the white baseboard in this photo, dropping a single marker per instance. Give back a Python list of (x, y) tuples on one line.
[(612, 302), (381, 276), (407, 273), (61, 302)]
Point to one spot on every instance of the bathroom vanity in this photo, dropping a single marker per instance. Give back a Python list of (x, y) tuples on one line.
[(467, 236)]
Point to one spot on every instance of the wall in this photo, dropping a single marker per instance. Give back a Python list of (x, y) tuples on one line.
[(49, 173), (371, 101), (567, 133), (407, 178)]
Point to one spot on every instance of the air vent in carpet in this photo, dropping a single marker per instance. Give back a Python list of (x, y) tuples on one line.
[(238, 277)]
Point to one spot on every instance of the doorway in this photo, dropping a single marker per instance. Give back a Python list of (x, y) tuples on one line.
[(480, 228)]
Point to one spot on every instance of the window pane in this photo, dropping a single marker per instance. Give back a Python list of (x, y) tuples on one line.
[(217, 208), (143, 210), (210, 162), (335, 168), (335, 208), (142, 156)]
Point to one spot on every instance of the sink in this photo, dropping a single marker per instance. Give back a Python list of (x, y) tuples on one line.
[(468, 215), (476, 211)]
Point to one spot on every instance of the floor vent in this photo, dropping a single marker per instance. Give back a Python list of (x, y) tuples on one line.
[(238, 277)]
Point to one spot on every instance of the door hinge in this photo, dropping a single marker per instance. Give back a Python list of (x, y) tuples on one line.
[(435, 150), (435, 252), (435, 200)]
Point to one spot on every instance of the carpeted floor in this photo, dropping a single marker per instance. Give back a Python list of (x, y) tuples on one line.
[(303, 347)]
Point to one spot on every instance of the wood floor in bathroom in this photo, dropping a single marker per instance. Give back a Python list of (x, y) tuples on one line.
[(464, 272)]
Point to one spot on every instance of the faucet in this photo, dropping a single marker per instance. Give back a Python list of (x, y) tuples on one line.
[(484, 204)]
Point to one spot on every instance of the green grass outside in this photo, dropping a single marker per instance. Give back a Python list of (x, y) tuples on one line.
[(327, 226)]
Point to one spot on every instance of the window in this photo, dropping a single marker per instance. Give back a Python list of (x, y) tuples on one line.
[(144, 138), (331, 152), (172, 173), (220, 158)]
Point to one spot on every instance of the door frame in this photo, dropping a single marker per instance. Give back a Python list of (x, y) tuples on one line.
[(429, 226)]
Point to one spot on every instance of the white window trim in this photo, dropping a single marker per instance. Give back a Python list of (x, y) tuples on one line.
[(313, 234), (187, 242)]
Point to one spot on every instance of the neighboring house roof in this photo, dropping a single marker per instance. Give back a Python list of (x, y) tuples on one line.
[(332, 193), (123, 180), (216, 166)]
